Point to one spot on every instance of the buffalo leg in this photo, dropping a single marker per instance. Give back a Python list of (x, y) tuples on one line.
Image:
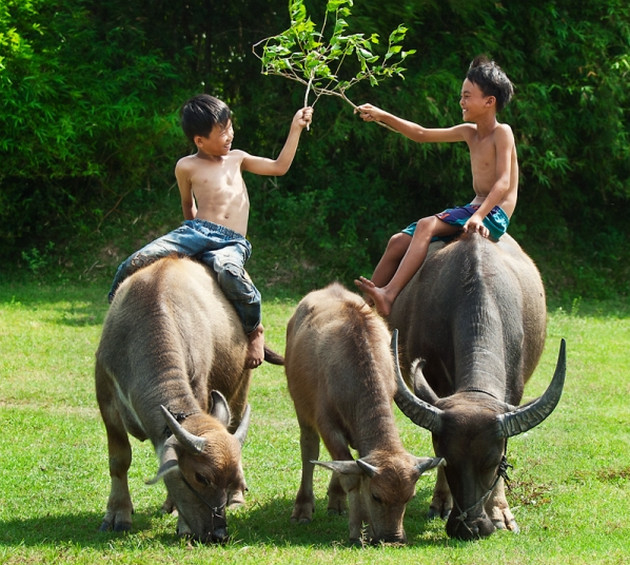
[(119, 506), (499, 511), (442, 501), (305, 500), (351, 485), (336, 495)]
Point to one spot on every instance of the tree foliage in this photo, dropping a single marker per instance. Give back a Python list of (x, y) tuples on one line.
[(91, 91)]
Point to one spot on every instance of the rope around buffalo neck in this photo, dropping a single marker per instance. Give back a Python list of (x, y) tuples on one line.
[(214, 510), (502, 471)]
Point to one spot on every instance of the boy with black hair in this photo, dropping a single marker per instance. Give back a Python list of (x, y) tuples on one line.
[(485, 91), (215, 205)]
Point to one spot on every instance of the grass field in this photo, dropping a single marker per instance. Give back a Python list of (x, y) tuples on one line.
[(570, 489)]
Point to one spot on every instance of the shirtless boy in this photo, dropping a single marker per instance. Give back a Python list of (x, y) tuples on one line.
[(215, 205), (485, 91)]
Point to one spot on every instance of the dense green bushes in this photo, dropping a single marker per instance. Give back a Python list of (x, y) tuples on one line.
[(90, 93)]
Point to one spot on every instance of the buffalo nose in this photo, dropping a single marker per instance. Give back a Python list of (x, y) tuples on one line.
[(469, 530), (220, 535), (398, 539)]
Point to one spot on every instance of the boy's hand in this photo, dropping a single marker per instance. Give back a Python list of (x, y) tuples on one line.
[(369, 113), (475, 224), (303, 117)]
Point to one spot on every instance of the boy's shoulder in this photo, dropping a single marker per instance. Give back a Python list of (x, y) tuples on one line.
[(505, 131), (185, 162)]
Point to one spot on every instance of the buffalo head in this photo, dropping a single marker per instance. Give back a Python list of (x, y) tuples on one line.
[(202, 472), (470, 430), (384, 486)]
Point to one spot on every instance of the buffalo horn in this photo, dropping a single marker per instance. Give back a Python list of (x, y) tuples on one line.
[(426, 463), (533, 413), (418, 411), (190, 442), (241, 432)]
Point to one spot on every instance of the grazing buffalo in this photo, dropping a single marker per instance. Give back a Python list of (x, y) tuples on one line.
[(340, 373), (170, 368), (475, 316)]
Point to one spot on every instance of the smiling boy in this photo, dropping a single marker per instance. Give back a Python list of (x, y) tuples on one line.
[(215, 205), (485, 91)]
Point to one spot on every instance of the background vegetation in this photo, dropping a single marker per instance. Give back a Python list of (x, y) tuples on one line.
[(90, 96)]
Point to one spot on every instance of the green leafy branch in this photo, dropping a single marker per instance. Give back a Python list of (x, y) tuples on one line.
[(303, 53)]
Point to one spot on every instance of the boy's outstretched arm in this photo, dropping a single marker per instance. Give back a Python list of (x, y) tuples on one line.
[(412, 130), (280, 165)]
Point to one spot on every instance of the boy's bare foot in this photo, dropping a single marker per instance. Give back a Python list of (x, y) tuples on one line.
[(381, 300), (255, 348)]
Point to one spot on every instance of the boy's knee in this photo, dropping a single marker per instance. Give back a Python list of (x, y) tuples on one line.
[(398, 243)]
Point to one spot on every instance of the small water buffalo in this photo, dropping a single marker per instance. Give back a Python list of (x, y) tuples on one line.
[(475, 314), (340, 373), (170, 368)]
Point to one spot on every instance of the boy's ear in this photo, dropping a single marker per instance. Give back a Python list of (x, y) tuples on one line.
[(491, 101), (198, 139)]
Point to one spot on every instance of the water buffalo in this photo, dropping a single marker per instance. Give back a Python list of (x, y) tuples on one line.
[(170, 367), (340, 373), (475, 315)]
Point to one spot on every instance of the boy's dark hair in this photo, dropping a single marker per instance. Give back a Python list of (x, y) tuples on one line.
[(491, 79), (201, 113)]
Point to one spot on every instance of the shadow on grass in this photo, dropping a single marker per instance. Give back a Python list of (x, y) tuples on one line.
[(255, 524), (81, 530), (270, 524)]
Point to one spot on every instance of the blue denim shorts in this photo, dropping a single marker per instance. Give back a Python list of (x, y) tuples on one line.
[(222, 249)]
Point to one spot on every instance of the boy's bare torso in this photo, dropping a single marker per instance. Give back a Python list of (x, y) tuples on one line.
[(218, 187)]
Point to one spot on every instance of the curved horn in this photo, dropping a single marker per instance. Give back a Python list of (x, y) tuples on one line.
[(533, 413), (418, 411), (241, 432), (426, 463), (190, 442)]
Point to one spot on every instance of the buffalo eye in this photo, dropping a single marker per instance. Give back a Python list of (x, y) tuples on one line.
[(377, 499), (201, 479)]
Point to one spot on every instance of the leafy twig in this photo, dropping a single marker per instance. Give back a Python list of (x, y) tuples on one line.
[(303, 54)]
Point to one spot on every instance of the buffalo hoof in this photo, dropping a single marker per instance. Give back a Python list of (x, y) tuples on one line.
[(512, 526), (437, 513), (168, 507), (107, 526), (335, 511), (302, 520)]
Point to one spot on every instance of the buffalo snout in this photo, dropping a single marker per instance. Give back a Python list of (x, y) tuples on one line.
[(467, 529)]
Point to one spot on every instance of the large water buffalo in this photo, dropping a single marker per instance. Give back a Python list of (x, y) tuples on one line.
[(170, 368), (340, 373), (475, 315)]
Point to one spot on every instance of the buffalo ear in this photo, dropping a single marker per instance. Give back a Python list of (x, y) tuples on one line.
[(169, 465), (421, 387), (341, 467), (220, 408), (241, 432)]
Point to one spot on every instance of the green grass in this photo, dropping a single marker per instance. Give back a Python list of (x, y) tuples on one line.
[(570, 483)]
